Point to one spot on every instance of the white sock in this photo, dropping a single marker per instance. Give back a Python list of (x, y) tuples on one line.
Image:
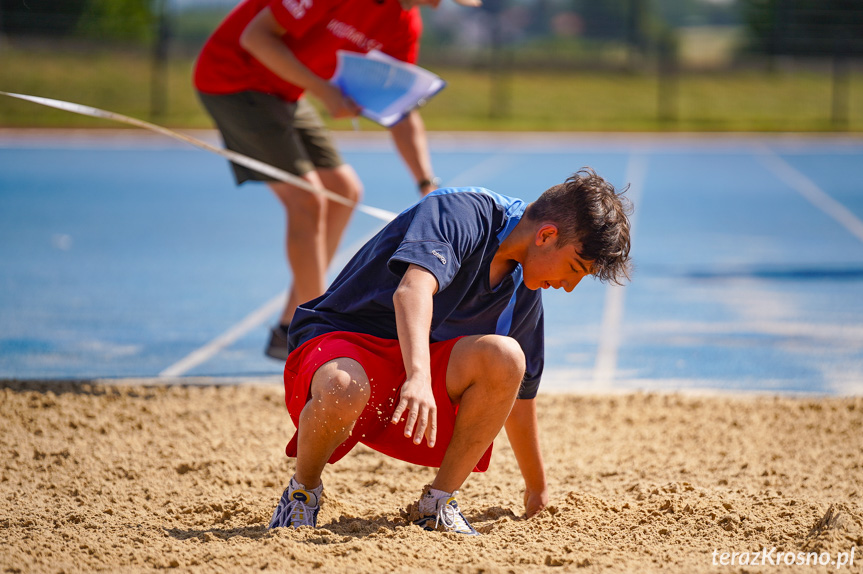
[(430, 500), (316, 492)]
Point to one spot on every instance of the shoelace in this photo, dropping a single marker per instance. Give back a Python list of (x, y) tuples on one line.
[(449, 516), (300, 512)]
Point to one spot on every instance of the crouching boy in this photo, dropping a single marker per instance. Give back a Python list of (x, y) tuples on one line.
[(430, 340)]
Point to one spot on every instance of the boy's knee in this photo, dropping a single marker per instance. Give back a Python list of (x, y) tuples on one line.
[(503, 358), (344, 181), (302, 205), (342, 386), (307, 209), (352, 189)]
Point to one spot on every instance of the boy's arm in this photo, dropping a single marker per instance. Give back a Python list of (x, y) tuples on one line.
[(522, 429), (412, 301), (409, 136), (262, 38)]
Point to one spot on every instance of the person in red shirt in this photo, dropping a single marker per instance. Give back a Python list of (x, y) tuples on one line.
[(251, 76)]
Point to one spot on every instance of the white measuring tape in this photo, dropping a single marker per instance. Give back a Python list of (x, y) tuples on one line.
[(246, 161)]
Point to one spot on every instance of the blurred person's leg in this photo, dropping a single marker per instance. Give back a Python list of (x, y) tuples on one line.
[(336, 216), (291, 136), (332, 174)]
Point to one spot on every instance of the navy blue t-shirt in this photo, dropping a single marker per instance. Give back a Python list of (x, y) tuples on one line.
[(454, 233)]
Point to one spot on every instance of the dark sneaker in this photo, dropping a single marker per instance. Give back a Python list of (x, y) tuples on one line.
[(277, 348), (297, 507), (448, 518)]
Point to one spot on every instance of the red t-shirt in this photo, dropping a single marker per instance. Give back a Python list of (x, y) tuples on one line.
[(316, 29)]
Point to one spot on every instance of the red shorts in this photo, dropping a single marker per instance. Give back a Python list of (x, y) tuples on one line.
[(382, 361)]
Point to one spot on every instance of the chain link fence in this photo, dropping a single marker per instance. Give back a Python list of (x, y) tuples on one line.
[(671, 42)]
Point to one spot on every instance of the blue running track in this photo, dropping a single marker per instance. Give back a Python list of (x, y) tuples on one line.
[(129, 256)]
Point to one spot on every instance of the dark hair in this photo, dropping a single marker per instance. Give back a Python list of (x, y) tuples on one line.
[(591, 214)]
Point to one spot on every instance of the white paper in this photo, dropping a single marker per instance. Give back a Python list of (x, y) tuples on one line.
[(385, 88)]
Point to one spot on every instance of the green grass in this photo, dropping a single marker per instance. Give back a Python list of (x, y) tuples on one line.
[(544, 100), (592, 101), (118, 81)]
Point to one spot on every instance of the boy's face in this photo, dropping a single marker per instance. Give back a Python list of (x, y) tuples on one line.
[(547, 265)]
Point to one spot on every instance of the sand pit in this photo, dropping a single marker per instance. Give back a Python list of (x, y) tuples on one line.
[(123, 478)]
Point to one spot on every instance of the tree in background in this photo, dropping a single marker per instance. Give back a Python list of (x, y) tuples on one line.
[(119, 20), (805, 27), (114, 20), (829, 29), (40, 17)]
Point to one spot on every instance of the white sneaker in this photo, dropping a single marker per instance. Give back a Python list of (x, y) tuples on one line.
[(447, 517), (297, 507)]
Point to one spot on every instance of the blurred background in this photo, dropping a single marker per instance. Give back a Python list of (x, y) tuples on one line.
[(560, 65)]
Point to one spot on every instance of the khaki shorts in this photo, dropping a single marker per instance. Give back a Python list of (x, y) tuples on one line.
[(287, 135)]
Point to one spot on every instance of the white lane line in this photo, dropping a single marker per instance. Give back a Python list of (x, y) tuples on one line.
[(208, 351), (274, 305), (251, 321), (810, 191), (612, 313)]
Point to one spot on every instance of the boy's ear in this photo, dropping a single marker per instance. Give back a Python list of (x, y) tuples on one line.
[(546, 232)]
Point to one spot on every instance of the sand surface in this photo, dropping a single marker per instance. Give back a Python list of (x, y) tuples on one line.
[(128, 479)]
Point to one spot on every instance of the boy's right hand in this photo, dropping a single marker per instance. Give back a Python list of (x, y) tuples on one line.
[(418, 400), (338, 105)]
